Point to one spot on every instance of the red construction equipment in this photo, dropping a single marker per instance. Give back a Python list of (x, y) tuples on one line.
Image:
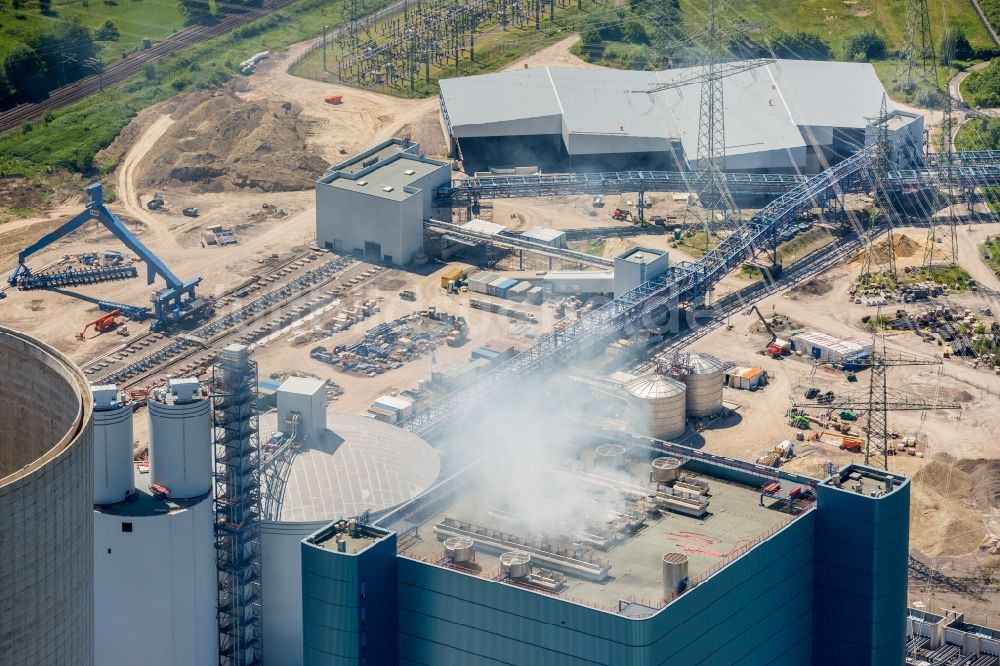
[(621, 215), (102, 324), (334, 99)]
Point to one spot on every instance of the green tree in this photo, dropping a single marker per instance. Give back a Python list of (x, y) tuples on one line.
[(194, 10), (634, 32), (25, 70), (955, 46), (867, 45), (801, 46), (65, 47), (108, 32), (45, 7)]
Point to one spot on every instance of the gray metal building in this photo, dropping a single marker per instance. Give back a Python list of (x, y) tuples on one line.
[(46, 522), (790, 115), (374, 204)]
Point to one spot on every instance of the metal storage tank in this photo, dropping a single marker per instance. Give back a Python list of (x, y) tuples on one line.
[(113, 466), (666, 469), (675, 574), (357, 465), (180, 439), (460, 549), (610, 455), (704, 375), (46, 495), (516, 563), (655, 406)]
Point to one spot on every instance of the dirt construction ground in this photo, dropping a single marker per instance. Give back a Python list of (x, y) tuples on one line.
[(226, 155)]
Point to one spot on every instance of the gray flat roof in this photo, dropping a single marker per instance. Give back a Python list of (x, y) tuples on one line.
[(736, 518), (143, 503), (765, 107), (641, 255), (397, 174)]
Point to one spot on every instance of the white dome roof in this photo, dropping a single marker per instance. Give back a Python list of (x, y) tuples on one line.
[(653, 387)]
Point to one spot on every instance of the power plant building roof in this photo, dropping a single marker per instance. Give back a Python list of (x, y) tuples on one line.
[(609, 111)]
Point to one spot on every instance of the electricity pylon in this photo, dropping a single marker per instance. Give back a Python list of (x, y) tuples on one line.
[(918, 47), (883, 213), (945, 229), (879, 400)]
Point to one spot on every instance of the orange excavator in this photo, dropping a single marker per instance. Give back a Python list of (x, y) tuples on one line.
[(102, 324)]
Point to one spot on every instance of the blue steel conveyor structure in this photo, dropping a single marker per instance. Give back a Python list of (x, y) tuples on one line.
[(178, 301), (685, 282)]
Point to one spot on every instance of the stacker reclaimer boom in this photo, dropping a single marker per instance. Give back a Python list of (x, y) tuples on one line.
[(172, 304)]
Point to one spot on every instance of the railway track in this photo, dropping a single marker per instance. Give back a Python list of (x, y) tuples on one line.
[(122, 69), (144, 359)]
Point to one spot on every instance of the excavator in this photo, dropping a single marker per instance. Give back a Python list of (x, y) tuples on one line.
[(771, 349), (102, 324)]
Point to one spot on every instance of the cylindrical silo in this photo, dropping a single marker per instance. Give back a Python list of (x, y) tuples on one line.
[(180, 439), (704, 375), (114, 471), (46, 500), (675, 574), (655, 407)]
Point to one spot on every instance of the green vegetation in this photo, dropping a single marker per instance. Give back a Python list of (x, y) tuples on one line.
[(72, 136), (979, 134), (494, 49), (982, 87), (813, 239), (953, 277), (134, 20), (991, 254)]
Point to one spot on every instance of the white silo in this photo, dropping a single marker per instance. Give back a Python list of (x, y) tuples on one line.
[(113, 466), (357, 464), (655, 407), (704, 375), (161, 548), (180, 439)]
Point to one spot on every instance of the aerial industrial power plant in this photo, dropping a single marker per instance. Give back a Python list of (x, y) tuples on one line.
[(481, 332)]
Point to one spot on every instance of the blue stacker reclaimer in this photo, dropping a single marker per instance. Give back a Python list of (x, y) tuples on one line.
[(178, 301)]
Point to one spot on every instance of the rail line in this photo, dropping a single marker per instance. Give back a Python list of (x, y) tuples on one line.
[(279, 307), (120, 70)]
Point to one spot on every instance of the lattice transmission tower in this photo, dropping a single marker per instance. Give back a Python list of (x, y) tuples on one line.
[(918, 48), (879, 400), (883, 212)]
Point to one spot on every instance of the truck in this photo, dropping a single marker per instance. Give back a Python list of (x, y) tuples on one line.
[(408, 295), (190, 212)]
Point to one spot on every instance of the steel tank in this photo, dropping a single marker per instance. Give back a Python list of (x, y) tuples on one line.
[(180, 439), (666, 469), (704, 375), (675, 574), (114, 476), (655, 406)]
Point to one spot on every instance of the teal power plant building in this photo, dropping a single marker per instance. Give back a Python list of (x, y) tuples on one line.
[(639, 553)]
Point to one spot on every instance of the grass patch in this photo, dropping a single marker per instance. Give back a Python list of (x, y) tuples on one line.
[(808, 241), (135, 20), (979, 134), (76, 133), (955, 278), (835, 22), (494, 49), (990, 252)]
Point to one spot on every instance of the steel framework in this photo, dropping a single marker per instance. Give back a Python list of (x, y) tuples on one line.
[(980, 167), (237, 506), (878, 136), (918, 49), (684, 282)]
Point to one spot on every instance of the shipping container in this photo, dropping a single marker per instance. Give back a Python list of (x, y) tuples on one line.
[(452, 275)]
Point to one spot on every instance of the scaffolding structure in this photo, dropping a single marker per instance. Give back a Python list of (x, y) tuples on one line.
[(237, 506)]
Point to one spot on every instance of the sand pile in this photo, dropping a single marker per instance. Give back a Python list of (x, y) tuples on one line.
[(225, 143), (941, 520), (985, 476), (905, 248), (615, 246)]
